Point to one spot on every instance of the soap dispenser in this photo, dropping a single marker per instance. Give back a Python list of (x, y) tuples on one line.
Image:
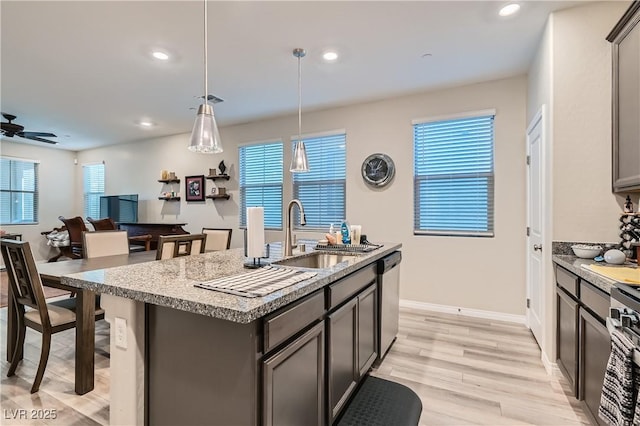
[(345, 229)]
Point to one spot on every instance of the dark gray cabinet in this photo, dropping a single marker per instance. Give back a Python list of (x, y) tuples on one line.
[(567, 337), (351, 347), (343, 372), (595, 347), (583, 341), (625, 42), (367, 329), (293, 382)]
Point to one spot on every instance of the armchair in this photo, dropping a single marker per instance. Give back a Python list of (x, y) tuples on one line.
[(75, 226)]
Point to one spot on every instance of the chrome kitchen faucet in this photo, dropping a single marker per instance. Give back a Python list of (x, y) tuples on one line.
[(288, 247)]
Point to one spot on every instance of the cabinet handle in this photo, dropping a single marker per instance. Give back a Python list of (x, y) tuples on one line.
[(537, 247)]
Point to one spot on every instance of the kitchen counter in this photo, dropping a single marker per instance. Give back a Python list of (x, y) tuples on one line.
[(170, 282), (574, 264)]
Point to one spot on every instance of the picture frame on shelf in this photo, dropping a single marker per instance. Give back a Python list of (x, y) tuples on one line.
[(194, 188)]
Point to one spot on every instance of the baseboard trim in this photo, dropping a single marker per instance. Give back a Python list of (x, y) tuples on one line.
[(551, 367), (476, 313)]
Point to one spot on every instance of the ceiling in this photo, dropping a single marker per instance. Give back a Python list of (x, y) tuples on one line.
[(84, 71)]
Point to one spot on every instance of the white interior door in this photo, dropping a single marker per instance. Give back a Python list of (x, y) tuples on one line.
[(535, 145)]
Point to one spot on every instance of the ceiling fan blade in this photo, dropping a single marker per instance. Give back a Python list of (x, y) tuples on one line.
[(35, 136)]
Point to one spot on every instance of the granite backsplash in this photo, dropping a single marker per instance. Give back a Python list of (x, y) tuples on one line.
[(564, 247)]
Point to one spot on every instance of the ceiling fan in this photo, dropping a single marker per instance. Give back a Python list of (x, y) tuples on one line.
[(10, 130)]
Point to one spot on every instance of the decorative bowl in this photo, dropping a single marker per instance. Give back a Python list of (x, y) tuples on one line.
[(586, 251), (615, 257)]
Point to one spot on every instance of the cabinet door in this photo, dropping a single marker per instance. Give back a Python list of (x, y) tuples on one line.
[(342, 355), (567, 338), (626, 101), (595, 347), (293, 382), (367, 330)]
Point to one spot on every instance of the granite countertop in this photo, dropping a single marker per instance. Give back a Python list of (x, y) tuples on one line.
[(171, 282), (574, 264)]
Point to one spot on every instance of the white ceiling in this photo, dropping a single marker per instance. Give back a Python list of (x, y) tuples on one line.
[(83, 70)]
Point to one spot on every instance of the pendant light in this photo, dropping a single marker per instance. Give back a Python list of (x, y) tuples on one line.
[(205, 137), (299, 159)]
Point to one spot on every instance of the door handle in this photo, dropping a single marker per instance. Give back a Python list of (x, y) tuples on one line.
[(537, 247)]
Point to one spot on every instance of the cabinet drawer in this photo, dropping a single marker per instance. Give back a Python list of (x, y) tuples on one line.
[(567, 280), (595, 299), (340, 291), (281, 325)]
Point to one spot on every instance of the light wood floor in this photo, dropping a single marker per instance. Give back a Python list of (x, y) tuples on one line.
[(467, 371)]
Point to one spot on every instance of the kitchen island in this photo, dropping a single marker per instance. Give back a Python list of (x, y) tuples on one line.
[(186, 355)]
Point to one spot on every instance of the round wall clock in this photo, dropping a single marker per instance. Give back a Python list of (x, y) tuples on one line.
[(378, 169)]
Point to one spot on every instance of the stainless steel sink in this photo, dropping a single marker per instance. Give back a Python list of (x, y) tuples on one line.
[(318, 260)]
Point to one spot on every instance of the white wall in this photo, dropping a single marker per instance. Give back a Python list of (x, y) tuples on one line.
[(478, 273), (540, 94), (56, 174), (584, 207), (571, 75)]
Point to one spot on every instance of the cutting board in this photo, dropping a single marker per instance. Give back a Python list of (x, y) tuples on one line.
[(621, 274)]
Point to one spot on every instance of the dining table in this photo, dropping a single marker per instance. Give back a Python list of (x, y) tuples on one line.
[(51, 275)]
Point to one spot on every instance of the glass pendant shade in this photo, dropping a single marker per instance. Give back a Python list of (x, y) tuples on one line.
[(205, 137), (299, 159)]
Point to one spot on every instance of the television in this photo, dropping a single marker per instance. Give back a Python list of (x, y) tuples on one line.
[(120, 208)]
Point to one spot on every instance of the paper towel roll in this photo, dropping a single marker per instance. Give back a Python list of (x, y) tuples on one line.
[(255, 231)]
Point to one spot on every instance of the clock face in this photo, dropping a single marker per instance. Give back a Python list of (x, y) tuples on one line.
[(378, 169)]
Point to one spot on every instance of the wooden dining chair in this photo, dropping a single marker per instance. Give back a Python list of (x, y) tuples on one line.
[(217, 238), (107, 224), (180, 245), (104, 243), (31, 308)]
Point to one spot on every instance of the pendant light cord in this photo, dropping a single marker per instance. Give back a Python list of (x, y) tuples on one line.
[(299, 99), (206, 36)]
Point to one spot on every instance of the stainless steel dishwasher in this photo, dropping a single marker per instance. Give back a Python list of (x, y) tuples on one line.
[(388, 301)]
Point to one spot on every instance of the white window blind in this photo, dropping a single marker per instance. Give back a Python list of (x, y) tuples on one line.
[(18, 191), (261, 182), (453, 176), (93, 188), (322, 189)]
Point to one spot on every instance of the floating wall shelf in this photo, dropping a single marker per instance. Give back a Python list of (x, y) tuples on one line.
[(218, 197), (169, 180), (219, 177)]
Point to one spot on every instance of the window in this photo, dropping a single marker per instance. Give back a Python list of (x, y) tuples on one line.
[(453, 175), (322, 189), (93, 184), (18, 191), (261, 182)]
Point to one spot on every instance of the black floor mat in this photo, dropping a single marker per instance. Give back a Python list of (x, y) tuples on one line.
[(384, 403)]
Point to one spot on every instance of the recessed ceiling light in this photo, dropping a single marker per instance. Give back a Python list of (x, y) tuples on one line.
[(145, 123), (160, 55), (509, 9), (330, 56)]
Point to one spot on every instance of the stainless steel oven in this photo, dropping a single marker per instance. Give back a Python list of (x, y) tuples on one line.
[(624, 314)]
